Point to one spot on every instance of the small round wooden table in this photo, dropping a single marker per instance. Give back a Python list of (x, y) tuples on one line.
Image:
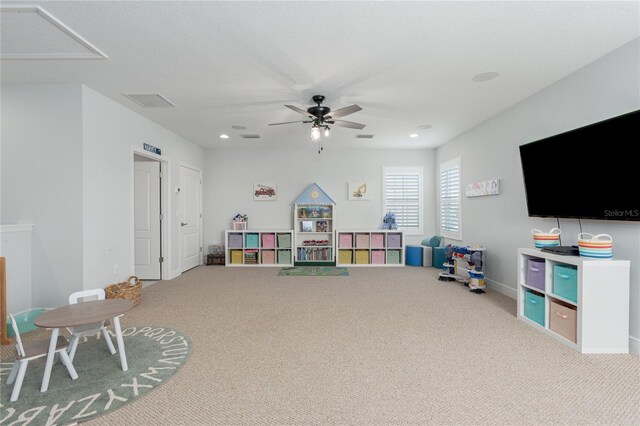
[(81, 314)]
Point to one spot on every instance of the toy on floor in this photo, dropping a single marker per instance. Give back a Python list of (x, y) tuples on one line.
[(470, 275), (448, 265)]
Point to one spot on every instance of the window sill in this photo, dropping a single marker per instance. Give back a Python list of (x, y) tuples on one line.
[(411, 231), (448, 236)]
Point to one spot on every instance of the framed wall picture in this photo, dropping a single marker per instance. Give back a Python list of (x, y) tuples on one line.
[(358, 191), (265, 192), (485, 187)]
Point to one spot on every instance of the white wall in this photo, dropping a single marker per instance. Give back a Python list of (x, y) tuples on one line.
[(42, 182), (109, 132), (608, 87), (232, 172), (67, 164), (15, 246)]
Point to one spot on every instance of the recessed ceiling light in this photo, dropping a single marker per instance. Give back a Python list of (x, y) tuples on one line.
[(223, 136), (425, 126), (237, 127), (413, 135), (485, 76)]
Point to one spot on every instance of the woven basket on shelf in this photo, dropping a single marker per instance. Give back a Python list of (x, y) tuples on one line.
[(131, 289)]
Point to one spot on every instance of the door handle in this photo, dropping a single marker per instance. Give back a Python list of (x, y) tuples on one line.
[(183, 224)]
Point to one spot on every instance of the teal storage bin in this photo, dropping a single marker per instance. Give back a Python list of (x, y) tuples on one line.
[(251, 240), (284, 240), (534, 306), (438, 257), (284, 257), (565, 281), (393, 257)]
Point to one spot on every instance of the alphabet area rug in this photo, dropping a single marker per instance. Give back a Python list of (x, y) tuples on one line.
[(154, 354)]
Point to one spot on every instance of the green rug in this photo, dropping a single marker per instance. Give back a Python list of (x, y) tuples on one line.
[(154, 354), (314, 271)]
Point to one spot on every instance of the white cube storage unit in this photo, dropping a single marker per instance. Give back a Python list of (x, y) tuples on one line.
[(584, 303), (258, 248), (379, 247)]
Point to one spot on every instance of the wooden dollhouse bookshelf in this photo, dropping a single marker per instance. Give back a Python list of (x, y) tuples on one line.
[(314, 222)]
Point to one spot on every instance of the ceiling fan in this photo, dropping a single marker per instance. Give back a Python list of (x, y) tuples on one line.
[(322, 116)]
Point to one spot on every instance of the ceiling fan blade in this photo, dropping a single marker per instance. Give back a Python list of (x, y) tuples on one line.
[(341, 112), (288, 122), (299, 110), (344, 123)]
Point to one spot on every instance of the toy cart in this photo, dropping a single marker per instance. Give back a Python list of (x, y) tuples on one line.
[(464, 264)]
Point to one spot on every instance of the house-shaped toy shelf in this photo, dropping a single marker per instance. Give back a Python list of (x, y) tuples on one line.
[(314, 222)]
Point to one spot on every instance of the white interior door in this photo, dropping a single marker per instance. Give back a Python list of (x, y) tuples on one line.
[(146, 222), (189, 218)]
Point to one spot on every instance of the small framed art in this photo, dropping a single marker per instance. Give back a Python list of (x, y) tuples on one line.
[(265, 192)]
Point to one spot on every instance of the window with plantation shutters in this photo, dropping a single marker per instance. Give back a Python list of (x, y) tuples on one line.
[(402, 195), (450, 200)]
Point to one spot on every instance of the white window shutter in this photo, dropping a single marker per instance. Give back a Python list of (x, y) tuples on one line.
[(450, 200), (403, 196)]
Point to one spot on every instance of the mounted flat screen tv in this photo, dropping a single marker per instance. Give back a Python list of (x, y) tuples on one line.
[(585, 173)]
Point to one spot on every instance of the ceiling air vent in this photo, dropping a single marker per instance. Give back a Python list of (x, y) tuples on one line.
[(151, 100), (251, 136), (364, 136)]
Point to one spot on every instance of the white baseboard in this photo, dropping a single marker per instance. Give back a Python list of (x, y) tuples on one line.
[(174, 274), (146, 284), (634, 345), (502, 288)]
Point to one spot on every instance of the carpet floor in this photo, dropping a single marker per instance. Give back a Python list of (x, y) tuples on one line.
[(382, 346)]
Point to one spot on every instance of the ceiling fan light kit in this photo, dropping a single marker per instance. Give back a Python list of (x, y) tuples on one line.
[(322, 116), (315, 133)]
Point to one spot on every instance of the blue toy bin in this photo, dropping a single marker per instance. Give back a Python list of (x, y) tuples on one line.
[(414, 256), (439, 257)]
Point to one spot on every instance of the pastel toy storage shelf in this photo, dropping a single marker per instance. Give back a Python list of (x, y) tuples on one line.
[(379, 247), (583, 303), (258, 248)]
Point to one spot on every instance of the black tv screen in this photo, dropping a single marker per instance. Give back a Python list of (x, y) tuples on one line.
[(585, 173)]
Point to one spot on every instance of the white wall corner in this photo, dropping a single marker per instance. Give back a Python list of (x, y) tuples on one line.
[(174, 274), (502, 289), (634, 346)]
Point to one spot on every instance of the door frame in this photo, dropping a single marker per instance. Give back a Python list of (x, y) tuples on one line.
[(165, 208), (200, 222)]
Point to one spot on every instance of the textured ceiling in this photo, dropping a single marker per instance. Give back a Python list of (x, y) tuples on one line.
[(404, 63)]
